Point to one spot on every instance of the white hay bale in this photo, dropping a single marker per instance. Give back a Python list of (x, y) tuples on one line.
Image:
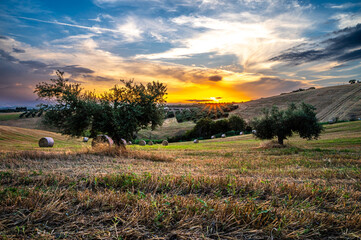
[(46, 142), (124, 142), (150, 143), (241, 133), (213, 137), (142, 143), (254, 131), (85, 139), (195, 141), (223, 135), (165, 143), (130, 143), (102, 139)]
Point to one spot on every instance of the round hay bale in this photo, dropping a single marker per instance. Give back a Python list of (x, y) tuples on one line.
[(102, 139), (85, 139), (124, 142), (142, 143), (46, 142), (195, 141), (150, 143), (165, 143), (130, 143), (254, 131), (223, 135), (241, 133), (213, 137)]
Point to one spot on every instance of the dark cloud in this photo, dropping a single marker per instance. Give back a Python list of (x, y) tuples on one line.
[(34, 64), (7, 57), (350, 56), (215, 78), (98, 78), (17, 50), (75, 70), (199, 100), (341, 48)]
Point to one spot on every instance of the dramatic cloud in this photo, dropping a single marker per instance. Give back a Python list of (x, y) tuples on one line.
[(199, 48), (342, 47)]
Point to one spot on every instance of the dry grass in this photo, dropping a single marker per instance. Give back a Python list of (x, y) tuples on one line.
[(217, 189)]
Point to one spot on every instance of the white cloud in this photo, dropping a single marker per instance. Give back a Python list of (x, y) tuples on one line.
[(130, 30), (347, 20), (253, 39)]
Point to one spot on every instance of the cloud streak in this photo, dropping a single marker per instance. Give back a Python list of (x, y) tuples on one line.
[(342, 47)]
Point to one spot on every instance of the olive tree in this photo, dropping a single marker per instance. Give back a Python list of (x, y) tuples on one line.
[(120, 112), (283, 123)]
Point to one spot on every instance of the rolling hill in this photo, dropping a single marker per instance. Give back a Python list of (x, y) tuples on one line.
[(342, 101)]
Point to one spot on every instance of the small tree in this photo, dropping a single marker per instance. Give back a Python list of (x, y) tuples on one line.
[(120, 113), (237, 123), (283, 123)]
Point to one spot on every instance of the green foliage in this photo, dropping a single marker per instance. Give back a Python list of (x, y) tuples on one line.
[(209, 110), (120, 113), (283, 123), (206, 127), (236, 123)]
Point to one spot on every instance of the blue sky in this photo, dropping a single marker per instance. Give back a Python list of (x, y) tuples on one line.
[(202, 49)]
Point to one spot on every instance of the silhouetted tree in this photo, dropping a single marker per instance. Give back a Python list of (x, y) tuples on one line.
[(119, 113)]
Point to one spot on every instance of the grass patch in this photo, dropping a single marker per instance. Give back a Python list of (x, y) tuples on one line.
[(9, 116)]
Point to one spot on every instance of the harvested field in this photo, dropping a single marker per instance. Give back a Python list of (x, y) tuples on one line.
[(227, 188)]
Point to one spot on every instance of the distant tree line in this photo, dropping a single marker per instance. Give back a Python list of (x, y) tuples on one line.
[(206, 128), (17, 109), (212, 111)]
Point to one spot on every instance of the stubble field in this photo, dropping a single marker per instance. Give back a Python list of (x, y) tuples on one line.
[(218, 189)]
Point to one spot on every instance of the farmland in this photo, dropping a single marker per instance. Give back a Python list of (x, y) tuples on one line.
[(228, 188)]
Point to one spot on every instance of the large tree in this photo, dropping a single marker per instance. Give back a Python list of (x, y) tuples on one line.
[(120, 113), (283, 123)]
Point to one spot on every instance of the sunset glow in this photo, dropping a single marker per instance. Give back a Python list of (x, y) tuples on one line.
[(220, 51)]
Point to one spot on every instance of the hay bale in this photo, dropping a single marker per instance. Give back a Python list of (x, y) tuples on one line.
[(102, 139), (150, 143), (254, 131), (241, 133), (223, 135), (85, 139), (142, 143), (124, 142), (195, 141), (165, 143), (213, 137), (130, 143), (46, 142)]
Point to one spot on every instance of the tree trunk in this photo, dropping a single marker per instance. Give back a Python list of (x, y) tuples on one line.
[(280, 140)]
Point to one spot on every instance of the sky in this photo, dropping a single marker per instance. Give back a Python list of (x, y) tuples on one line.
[(220, 50)]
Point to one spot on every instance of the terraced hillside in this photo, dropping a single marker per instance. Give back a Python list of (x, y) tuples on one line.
[(342, 101)]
